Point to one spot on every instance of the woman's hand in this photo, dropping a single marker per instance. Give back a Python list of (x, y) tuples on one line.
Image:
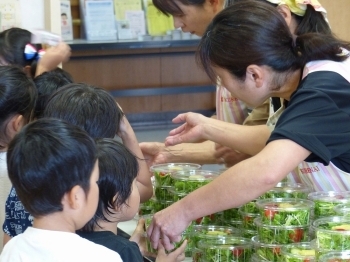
[(192, 131)]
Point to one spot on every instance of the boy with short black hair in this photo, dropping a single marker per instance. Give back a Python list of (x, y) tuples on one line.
[(53, 167)]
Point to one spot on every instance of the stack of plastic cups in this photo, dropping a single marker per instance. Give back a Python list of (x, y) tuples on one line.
[(164, 182), (225, 249), (331, 234), (298, 252), (282, 221), (248, 213)]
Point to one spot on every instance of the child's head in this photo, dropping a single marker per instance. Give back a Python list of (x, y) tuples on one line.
[(17, 100), (119, 196), (46, 84), (89, 107), (51, 162), (12, 45)]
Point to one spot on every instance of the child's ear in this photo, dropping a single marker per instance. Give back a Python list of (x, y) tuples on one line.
[(27, 71), (74, 198), (14, 125)]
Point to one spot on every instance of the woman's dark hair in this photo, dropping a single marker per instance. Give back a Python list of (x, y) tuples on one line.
[(253, 32), (12, 45), (45, 160), (171, 7), (118, 169), (46, 84), (89, 107), (17, 96)]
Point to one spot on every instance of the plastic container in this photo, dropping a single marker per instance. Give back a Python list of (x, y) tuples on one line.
[(176, 196), (162, 172), (287, 190), (147, 207), (271, 234), (298, 252), (270, 252), (200, 232), (250, 207), (285, 211), (326, 201), (249, 233), (197, 255), (332, 233), (335, 257), (248, 220), (190, 180), (226, 249), (342, 209), (162, 193), (213, 219), (161, 204), (257, 258), (148, 219)]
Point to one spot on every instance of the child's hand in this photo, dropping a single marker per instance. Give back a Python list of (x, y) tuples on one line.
[(175, 256), (139, 232), (53, 57), (125, 128)]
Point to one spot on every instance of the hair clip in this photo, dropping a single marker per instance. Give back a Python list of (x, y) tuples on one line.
[(31, 53)]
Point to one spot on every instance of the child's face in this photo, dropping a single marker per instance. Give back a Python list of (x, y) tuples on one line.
[(93, 195), (130, 208)]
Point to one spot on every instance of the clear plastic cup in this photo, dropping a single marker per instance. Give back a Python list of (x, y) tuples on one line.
[(342, 209), (257, 258), (332, 233), (299, 252), (285, 211), (162, 193), (162, 172), (161, 204), (248, 220), (176, 196), (147, 207), (287, 190), (271, 234), (200, 232), (237, 249), (326, 201), (334, 256), (250, 207), (187, 181), (270, 252)]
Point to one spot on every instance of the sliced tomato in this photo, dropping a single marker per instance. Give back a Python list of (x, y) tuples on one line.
[(212, 217), (162, 174), (248, 218), (270, 213), (276, 250), (199, 220), (237, 252), (297, 235)]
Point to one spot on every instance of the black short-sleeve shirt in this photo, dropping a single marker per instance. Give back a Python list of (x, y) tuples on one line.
[(318, 119)]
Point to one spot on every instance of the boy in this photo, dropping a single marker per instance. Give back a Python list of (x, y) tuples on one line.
[(54, 169)]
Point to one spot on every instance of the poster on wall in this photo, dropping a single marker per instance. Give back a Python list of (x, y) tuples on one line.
[(66, 21), (10, 14)]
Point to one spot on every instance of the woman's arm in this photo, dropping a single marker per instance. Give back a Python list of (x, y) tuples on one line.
[(197, 128), (238, 185)]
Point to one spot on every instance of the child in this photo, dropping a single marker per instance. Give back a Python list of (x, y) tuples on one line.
[(46, 84), (13, 44), (94, 110), (17, 101), (58, 186), (119, 201)]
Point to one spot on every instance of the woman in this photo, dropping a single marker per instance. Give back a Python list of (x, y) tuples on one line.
[(263, 59), (194, 16)]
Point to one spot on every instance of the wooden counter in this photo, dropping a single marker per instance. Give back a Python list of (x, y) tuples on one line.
[(151, 80)]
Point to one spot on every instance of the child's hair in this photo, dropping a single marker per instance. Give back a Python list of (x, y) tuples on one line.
[(12, 45), (45, 160), (89, 107), (118, 169), (171, 7), (46, 84), (17, 96)]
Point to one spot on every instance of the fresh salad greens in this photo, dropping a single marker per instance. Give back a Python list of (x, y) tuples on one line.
[(281, 234), (248, 220), (287, 190), (162, 193), (147, 207), (299, 252), (226, 250), (188, 181), (162, 173), (335, 256), (200, 232), (250, 207), (230, 214), (176, 196), (213, 219), (283, 212), (325, 202), (249, 233), (161, 204), (272, 254), (333, 235), (190, 244), (342, 209)]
